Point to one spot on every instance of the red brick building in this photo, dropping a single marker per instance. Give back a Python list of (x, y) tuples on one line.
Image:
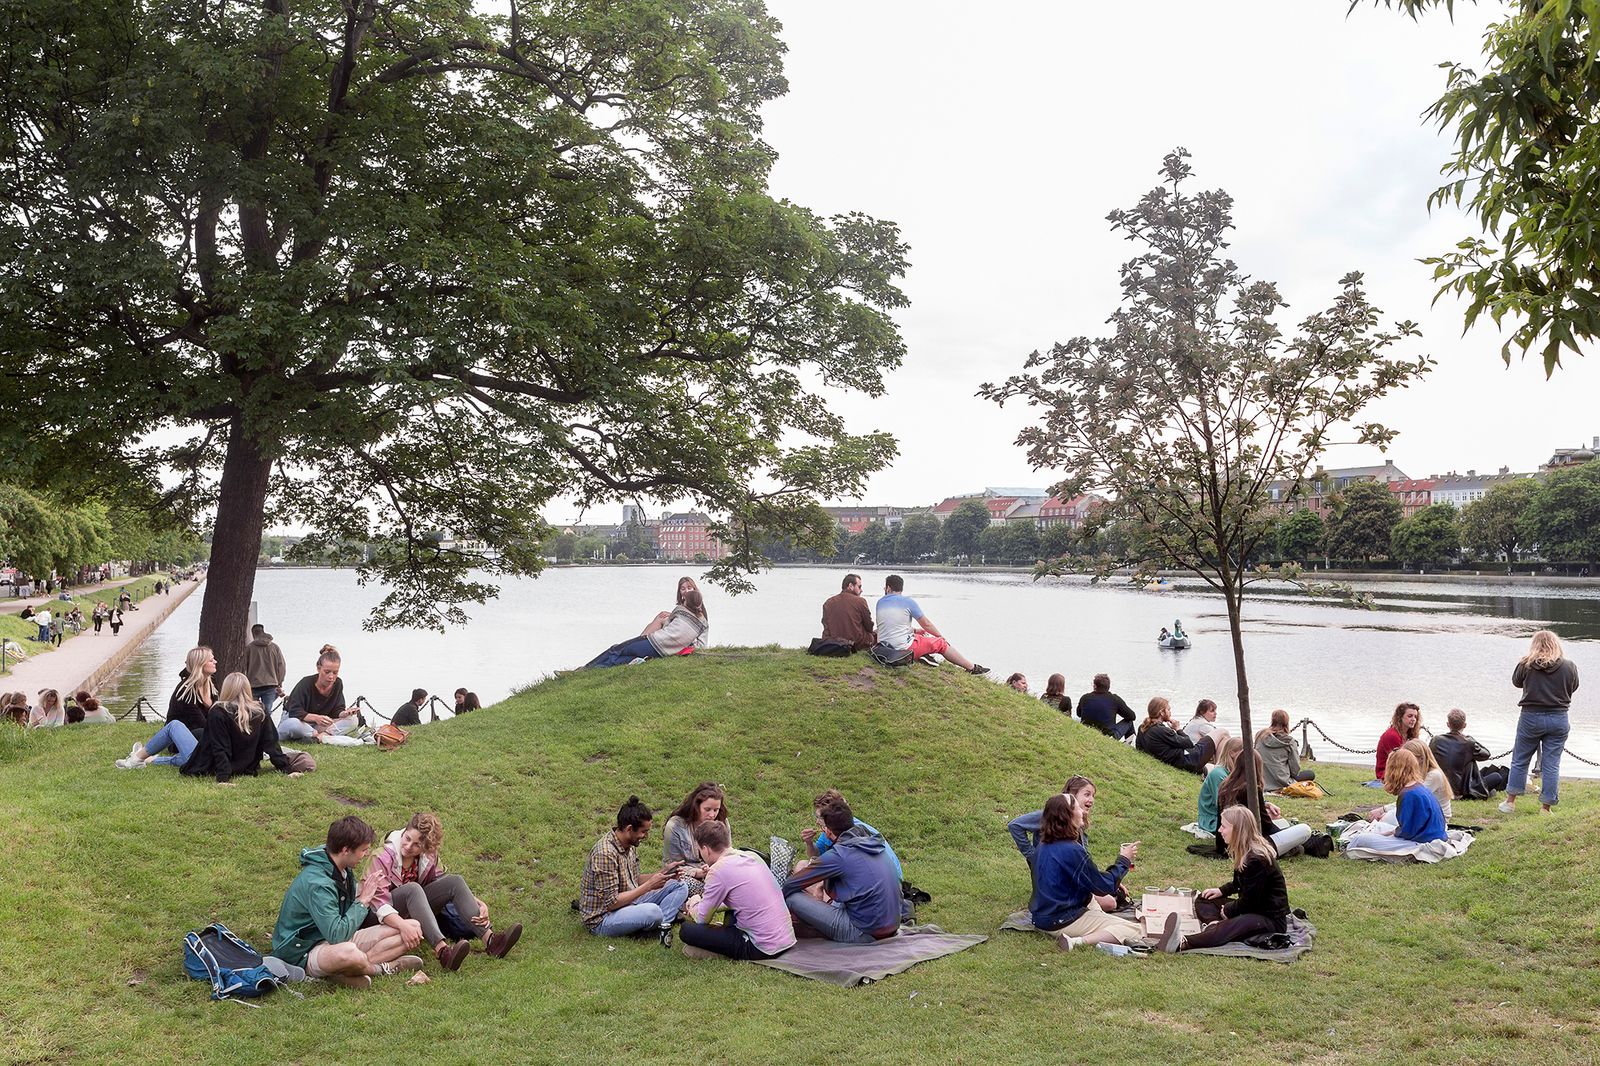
[(682, 537), (1414, 494)]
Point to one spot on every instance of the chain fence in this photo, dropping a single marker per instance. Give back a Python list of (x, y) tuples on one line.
[(1305, 745)]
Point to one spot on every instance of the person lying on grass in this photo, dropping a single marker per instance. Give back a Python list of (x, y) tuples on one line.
[(1262, 905), (758, 926), (863, 883), (1419, 818), (1024, 829), (319, 923), (238, 735), (612, 901), (1066, 883), (413, 890), (674, 632)]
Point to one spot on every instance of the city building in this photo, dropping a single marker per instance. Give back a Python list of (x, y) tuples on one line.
[(1070, 513), (1572, 456), (1462, 489), (856, 519), (683, 537), (1317, 487), (1414, 494), (1000, 502)]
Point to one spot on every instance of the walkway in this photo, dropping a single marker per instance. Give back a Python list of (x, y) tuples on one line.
[(16, 604), (86, 659)]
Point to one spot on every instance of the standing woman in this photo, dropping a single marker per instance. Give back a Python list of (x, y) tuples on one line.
[(1263, 898), (1547, 680), (706, 803)]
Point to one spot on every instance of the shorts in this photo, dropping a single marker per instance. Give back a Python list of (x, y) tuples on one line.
[(928, 644), (364, 939), (1094, 919)]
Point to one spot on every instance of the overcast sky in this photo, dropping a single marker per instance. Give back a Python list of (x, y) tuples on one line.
[(999, 136)]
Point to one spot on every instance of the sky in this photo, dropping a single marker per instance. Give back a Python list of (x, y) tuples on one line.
[(998, 136)]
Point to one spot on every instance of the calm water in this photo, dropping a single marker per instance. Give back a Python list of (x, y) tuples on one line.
[(1440, 645)]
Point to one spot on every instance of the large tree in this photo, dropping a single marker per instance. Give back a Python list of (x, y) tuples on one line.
[(394, 267), (1196, 405), (1363, 520), (1527, 165), (1298, 535), (1563, 517), (1496, 524), (1430, 537), (962, 530)]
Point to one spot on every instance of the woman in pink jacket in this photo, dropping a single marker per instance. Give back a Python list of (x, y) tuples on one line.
[(412, 891)]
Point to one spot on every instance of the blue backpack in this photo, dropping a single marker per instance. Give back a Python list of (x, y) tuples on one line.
[(234, 968)]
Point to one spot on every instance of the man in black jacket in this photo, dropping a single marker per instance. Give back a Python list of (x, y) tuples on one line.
[(1459, 756), (1105, 710), (410, 714)]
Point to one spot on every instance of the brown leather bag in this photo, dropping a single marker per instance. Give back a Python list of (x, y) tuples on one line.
[(301, 762), (390, 736)]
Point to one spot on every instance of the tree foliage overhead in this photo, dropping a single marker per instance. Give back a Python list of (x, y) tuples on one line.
[(1527, 165), (402, 267)]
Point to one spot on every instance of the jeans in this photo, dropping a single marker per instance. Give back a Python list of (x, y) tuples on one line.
[(266, 695), (298, 729), (827, 919), (174, 735), (624, 653), (653, 910), (44, 634), (1544, 731)]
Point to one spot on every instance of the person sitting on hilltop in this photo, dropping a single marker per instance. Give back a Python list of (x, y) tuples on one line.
[(14, 708), (1055, 694), (49, 713), (759, 925), (320, 922), (859, 876), (1458, 756), (673, 632), (237, 736), (1279, 759), (467, 702), (612, 901), (410, 712), (1262, 905), (1066, 883), (1418, 817), (315, 708), (846, 621), (1235, 788), (1018, 682), (413, 892), (1165, 741), (906, 633), (187, 709), (92, 713), (1105, 710), (705, 802), (1404, 725), (1204, 722)]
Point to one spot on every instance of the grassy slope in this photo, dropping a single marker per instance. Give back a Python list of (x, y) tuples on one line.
[(108, 869), (23, 632)]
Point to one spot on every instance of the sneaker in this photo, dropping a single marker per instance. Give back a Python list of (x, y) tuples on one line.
[(978, 670), (1505, 807), (401, 965), (358, 980), (451, 956), (666, 936), (1171, 939), (499, 944), (1068, 943), (929, 660), (1546, 810)]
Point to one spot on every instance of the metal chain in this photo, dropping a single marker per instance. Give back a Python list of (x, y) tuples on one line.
[(1373, 751)]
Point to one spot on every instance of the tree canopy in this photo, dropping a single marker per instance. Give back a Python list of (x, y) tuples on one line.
[(964, 528), (1363, 520), (1563, 517), (1497, 523), (1430, 537), (404, 267), (1298, 535)]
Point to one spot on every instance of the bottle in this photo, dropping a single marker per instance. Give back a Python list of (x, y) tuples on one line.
[(1115, 949)]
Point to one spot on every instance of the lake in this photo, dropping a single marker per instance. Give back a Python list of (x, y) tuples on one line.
[(1441, 645)]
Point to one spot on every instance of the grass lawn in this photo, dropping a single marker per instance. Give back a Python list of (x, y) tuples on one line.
[(23, 631), (1485, 959)]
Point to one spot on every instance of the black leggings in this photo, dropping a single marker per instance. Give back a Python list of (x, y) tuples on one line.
[(726, 940), (1221, 930)]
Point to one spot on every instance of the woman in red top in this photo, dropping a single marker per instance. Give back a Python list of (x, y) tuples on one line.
[(1404, 726)]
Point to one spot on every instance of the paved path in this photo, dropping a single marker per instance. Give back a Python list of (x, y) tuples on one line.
[(15, 605), (90, 656)]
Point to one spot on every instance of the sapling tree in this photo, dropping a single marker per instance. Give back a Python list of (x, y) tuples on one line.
[(1197, 405)]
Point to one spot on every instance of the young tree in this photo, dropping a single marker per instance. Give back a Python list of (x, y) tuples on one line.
[(1056, 540), (963, 528), (1022, 543), (1196, 404), (1497, 523), (1298, 535), (411, 266), (993, 545), (1363, 521), (1432, 536)]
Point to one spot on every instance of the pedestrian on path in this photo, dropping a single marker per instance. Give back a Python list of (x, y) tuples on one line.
[(42, 619)]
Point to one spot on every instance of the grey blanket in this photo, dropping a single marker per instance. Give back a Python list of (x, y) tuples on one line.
[(848, 965), (1301, 934)]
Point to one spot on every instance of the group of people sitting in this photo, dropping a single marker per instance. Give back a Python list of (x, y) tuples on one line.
[(349, 933), (409, 713), (80, 708), (849, 888)]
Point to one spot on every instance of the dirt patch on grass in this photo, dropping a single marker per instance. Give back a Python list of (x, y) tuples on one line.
[(864, 680), (351, 801), (599, 756)]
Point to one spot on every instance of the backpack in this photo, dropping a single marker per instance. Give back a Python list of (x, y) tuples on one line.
[(834, 649), (234, 968)]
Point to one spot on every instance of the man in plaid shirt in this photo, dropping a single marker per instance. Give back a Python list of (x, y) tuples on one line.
[(612, 901)]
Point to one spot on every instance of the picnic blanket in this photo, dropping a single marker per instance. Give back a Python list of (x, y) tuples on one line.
[(1300, 933), (848, 965), (1454, 845)]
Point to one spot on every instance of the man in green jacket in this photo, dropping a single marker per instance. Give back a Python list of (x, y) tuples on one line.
[(319, 924)]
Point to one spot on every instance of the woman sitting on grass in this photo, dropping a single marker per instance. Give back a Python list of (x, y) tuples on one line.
[(1418, 817), (49, 713), (1263, 899), (412, 891), (92, 713), (1055, 694), (1160, 738), (186, 716), (1404, 725), (238, 735), (1066, 883), (1432, 775), (1279, 759), (672, 632), (1232, 794), (1210, 805), (706, 802)]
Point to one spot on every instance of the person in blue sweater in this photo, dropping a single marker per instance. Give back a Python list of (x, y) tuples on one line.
[(819, 842), (1418, 815), (1024, 830), (1066, 883), (863, 884)]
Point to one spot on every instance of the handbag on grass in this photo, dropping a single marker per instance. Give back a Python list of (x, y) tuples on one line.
[(390, 736)]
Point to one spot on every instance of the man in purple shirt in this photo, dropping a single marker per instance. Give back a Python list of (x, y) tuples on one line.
[(760, 926)]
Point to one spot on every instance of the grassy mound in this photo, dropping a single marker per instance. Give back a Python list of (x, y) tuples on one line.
[(105, 870)]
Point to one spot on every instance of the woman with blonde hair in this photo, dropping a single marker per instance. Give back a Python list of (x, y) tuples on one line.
[(1418, 817), (410, 892), (1547, 680), (1262, 906), (49, 713), (186, 715), (1432, 775), (238, 735), (1163, 740)]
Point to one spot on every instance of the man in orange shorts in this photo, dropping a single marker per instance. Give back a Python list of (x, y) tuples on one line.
[(903, 627)]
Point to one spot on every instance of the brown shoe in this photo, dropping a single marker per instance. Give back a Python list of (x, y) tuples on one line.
[(352, 980), (451, 956), (500, 943)]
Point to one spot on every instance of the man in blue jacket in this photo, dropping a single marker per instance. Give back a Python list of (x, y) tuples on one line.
[(865, 887)]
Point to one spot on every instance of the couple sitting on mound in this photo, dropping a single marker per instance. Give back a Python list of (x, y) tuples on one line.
[(349, 935)]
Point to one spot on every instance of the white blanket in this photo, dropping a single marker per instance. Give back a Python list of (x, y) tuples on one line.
[(1455, 844)]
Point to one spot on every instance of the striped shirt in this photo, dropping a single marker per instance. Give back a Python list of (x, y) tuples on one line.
[(610, 871)]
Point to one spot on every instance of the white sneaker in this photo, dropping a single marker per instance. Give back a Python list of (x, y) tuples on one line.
[(1505, 807), (1068, 943), (126, 764)]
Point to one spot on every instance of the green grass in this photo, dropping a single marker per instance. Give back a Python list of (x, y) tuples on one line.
[(1464, 962), (23, 631)]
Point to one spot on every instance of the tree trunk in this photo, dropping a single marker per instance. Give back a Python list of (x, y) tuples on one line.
[(1235, 630), (235, 548)]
